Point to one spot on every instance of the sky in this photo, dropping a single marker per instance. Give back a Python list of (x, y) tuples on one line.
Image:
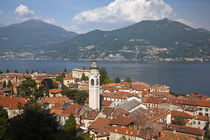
[(85, 15)]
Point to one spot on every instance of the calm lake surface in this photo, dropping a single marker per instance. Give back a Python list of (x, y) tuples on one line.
[(182, 78)]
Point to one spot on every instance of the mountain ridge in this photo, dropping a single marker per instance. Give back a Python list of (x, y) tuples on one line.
[(145, 41), (30, 36)]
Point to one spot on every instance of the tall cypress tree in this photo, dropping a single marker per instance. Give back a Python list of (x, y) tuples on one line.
[(70, 126), (4, 123)]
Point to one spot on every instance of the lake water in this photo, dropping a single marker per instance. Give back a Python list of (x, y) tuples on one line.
[(182, 78)]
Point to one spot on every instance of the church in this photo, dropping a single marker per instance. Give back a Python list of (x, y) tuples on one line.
[(94, 86)]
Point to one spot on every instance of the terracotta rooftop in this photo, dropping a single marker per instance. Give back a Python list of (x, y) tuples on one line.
[(55, 100), (149, 115), (90, 115), (118, 95), (121, 120), (108, 111), (121, 110), (124, 131), (66, 111), (103, 102), (184, 129), (153, 100), (160, 87), (140, 84), (173, 136), (57, 90), (101, 126), (125, 83), (185, 115), (68, 78), (11, 102)]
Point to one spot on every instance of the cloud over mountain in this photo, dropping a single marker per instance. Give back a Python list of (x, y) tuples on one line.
[(23, 10), (126, 11)]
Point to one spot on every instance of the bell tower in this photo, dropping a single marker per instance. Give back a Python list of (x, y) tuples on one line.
[(94, 86)]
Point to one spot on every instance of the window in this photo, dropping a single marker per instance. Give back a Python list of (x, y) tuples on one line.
[(194, 122), (92, 82), (199, 122), (200, 109), (206, 109), (200, 114), (206, 114)]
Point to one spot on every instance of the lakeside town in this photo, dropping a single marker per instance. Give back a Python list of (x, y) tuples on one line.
[(104, 109)]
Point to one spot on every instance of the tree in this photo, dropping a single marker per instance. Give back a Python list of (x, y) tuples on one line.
[(20, 106), (103, 74), (15, 71), (70, 125), (38, 93), (44, 71), (47, 84), (9, 84), (117, 80), (32, 71), (179, 120), (26, 88), (84, 78), (59, 78), (4, 122), (207, 134), (77, 95), (128, 79), (7, 71), (4, 84), (108, 81), (65, 70), (1, 72), (27, 72), (34, 124)]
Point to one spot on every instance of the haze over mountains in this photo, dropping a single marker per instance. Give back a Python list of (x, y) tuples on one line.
[(148, 41)]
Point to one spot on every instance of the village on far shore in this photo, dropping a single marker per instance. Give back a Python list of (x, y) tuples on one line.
[(106, 109)]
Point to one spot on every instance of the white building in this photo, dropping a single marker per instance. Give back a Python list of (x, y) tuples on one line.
[(94, 87), (77, 73)]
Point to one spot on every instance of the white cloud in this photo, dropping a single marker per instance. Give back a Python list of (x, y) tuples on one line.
[(189, 23), (126, 11), (23, 10), (49, 20)]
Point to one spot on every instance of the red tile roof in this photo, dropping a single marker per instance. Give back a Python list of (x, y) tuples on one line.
[(121, 120), (173, 136), (90, 115), (108, 111), (66, 111), (58, 90), (185, 115), (101, 126), (105, 102), (184, 129), (122, 111), (118, 95), (68, 78), (11, 102), (55, 100), (124, 131)]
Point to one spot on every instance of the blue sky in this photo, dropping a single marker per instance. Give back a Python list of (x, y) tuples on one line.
[(85, 15)]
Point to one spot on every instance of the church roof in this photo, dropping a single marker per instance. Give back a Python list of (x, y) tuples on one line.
[(129, 105)]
